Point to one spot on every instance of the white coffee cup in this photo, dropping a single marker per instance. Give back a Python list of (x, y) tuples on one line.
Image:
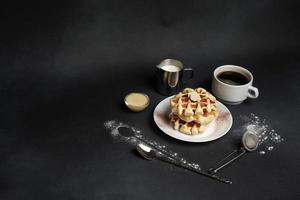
[(231, 92)]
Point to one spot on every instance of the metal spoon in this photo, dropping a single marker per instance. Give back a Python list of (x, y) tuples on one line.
[(250, 143), (150, 154), (128, 134)]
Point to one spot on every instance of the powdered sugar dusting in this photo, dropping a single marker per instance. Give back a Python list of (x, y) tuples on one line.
[(268, 137), (137, 137)]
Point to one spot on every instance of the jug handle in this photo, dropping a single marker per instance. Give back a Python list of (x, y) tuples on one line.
[(188, 74)]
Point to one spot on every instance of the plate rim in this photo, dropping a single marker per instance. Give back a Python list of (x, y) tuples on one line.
[(193, 141)]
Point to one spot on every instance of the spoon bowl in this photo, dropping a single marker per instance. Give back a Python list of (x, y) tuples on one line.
[(145, 151)]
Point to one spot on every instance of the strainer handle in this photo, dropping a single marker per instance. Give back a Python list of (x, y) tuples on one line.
[(224, 162)]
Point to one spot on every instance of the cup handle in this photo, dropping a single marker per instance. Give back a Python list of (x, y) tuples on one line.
[(253, 92), (189, 73)]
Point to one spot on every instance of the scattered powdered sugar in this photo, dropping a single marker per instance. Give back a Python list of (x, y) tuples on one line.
[(268, 137), (262, 152), (270, 148), (115, 129)]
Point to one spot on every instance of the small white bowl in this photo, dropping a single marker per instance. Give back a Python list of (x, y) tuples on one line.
[(137, 108)]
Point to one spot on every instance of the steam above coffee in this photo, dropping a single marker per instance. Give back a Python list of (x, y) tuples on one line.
[(233, 78)]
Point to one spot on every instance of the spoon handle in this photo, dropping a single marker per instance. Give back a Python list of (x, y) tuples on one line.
[(198, 171), (226, 162)]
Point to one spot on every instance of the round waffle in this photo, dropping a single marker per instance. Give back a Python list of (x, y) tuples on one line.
[(189, 128), (195, 107)]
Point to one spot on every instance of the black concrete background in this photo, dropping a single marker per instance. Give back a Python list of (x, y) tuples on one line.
[(65, 67)]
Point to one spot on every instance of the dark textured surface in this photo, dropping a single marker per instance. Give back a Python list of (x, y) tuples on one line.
[(65, 67)]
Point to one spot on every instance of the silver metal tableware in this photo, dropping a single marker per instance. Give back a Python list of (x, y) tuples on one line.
[(150, 154), (170, 76), (250, 143)]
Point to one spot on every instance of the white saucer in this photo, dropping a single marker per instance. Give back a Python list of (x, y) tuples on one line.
[(216, 129)]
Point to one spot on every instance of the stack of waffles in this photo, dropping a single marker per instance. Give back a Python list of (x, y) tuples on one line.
[(192, 110)]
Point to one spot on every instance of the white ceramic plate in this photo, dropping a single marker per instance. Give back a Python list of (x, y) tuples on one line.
[(216, 129)]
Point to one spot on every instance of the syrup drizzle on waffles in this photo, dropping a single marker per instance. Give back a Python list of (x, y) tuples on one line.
[(192, 110)]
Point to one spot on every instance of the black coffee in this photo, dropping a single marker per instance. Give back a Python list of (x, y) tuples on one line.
[(233, 78)]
